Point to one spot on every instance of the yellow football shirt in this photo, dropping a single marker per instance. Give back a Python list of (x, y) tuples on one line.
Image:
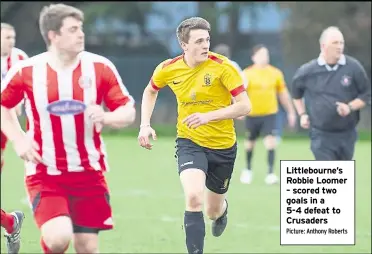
[(205, 88), (264, 84)]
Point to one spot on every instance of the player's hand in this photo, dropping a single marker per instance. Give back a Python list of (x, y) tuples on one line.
[(343, 109), (143, 137), (96, 114), (291, 120), (305, 121), (27, 148), (195, 120)]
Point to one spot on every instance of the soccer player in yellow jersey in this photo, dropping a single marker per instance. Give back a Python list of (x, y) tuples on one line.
[(203, 83), (265, 84)]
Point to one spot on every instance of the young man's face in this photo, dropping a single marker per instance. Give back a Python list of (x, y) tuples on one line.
[(71, 36), (261, 57), (7, 40), (198, 45)]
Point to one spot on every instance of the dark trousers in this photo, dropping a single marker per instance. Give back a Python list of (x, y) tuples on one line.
[(333, 145)]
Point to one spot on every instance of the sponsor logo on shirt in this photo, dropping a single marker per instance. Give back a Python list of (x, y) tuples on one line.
[(66, 107)]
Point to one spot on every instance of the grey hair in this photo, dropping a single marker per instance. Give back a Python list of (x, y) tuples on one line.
[(326, 31), (7, 26)]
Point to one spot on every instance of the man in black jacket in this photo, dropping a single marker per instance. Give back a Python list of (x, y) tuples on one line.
[(335, 87)]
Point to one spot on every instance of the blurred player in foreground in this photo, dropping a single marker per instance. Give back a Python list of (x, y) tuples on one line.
[(63, 149), (335, 87), (265, 84), (11, 222), (203, 83)]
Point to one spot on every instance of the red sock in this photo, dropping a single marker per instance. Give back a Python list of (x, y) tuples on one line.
[(47, 250), (7, 221)]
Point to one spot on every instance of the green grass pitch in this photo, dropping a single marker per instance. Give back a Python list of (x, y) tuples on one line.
[(148, 204)]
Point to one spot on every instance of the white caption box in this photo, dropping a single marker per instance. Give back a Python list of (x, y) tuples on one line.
[(317, 202)]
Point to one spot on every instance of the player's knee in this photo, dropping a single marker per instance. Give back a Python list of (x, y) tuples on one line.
[(57, 234), (249, 144), (193, 182), (214, 205), (194, 201), (270, 142), (86, 243), (213, 211), (57, 242)]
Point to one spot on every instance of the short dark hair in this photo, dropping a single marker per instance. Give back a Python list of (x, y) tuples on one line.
[(257, 47), (52, 16), (183, 30)]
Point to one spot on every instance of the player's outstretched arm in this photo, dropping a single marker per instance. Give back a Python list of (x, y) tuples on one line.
[(148, 104), (150, 94), (149, 97)]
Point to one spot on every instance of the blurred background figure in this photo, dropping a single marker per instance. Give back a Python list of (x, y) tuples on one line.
[(224, 50), (10, 55), (265, 85)]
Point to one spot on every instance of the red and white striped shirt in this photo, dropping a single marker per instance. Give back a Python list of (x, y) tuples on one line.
[(55, 109), (8, 61)]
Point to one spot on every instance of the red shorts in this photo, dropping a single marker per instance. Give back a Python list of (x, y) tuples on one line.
[(3, 141), (83, 196)]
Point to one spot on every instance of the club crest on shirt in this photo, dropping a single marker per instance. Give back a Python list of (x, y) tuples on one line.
[(346, 80), (66, 107), (85, 82), (207, 80)]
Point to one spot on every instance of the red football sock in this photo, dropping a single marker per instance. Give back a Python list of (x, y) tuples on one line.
[(7, 221)]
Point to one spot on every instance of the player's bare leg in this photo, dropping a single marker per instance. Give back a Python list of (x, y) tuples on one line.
[(56, 234), (216, 210), (246, 175), (193, 183), (86, 243), (12, 223), (270, 144)]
